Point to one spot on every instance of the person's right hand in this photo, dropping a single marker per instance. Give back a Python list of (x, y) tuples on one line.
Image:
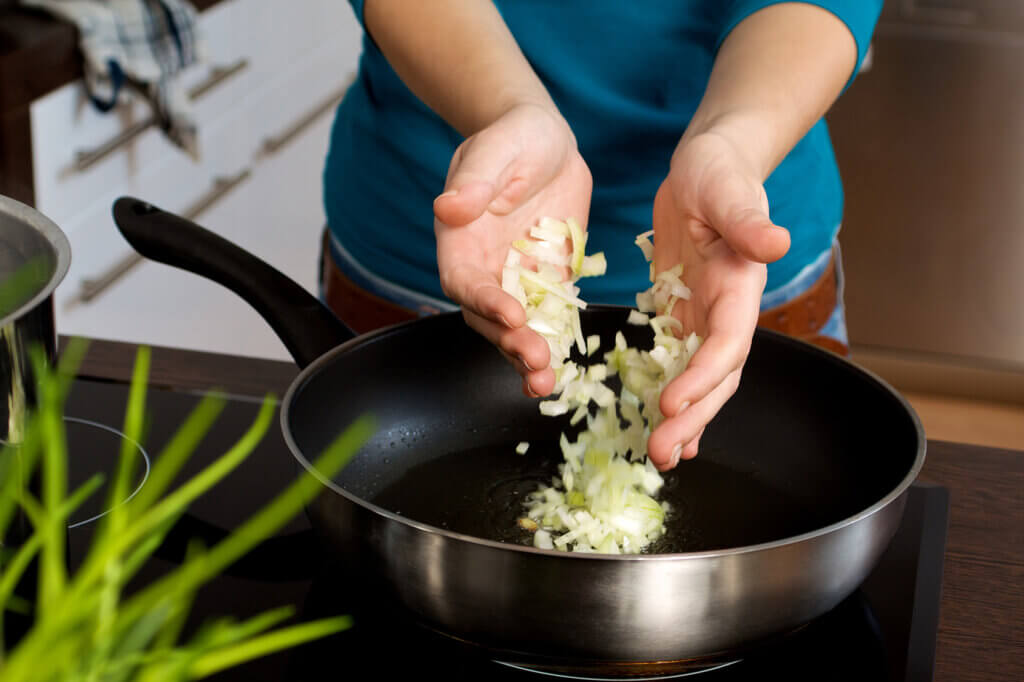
[(501, 181)]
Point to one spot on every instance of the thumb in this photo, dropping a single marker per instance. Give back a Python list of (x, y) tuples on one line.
[(740, 215), (476, 178)]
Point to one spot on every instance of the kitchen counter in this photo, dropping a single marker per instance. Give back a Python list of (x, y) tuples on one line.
[(981, 628)]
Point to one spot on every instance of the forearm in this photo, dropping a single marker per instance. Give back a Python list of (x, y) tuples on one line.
[(775, 75), (458, 56)]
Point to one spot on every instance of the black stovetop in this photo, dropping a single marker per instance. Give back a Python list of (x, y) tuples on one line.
[(885, 631)]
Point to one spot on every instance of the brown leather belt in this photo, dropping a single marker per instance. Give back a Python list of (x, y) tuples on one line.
[(359, 309), (803, 317)]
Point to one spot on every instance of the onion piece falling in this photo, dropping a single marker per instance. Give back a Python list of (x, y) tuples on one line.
[(603, 500)]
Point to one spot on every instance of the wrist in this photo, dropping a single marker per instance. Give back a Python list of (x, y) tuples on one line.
[(542, 120), (502, 101), (750, 134)]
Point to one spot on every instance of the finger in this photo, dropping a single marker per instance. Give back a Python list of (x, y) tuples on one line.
[(482, 176), (730, 330), (666, 444), (464, 204), (739, 212), (527, 349), (528, 375), (476, 289), (753, 235), (693, 447), (540, 383)]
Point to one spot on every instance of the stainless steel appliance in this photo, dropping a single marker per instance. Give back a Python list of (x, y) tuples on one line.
[(34, 257)]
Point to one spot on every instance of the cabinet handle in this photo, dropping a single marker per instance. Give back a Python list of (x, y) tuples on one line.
[(91, 287), (272, 145), (218, 75), (86, 158)]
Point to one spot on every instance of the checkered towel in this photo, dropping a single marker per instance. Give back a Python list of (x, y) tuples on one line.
[(141, 43)]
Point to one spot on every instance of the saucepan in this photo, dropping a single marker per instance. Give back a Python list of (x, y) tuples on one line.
[(798, 489), (34, 257)]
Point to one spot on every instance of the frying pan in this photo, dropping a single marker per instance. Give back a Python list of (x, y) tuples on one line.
[(798, 489)]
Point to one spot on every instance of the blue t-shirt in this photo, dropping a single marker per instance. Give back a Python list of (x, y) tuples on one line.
[(628, 77)]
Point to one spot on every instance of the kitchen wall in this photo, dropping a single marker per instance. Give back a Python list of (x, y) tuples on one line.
[(930, 142)]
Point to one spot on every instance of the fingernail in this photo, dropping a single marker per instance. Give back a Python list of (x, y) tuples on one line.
[(449, 193), (686, 403), (505, 321), (530, 392), (677, 452), (527, 364)]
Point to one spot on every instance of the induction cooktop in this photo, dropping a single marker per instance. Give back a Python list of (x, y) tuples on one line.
[(885, 630)]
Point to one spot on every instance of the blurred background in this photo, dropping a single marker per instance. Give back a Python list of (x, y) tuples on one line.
[(930, 143)]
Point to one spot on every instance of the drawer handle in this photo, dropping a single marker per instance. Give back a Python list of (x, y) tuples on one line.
[(86, 158), (274, 144), (91, 287), (218, 75)]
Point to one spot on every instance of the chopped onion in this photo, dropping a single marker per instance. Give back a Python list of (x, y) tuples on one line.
[(603, 500), (593, 266), (522, 447), (638, 318), (579, 242), (553, 408)]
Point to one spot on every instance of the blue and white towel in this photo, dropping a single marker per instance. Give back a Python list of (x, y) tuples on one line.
[(140, 43)]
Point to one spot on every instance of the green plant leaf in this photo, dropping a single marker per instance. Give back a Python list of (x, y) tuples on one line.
[(174, 503), (226, 632), (264, 523), (22, 284), (85, 628), (174, 455), (20, 559), (264, 645)]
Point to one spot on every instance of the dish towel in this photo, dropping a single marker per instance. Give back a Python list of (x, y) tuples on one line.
[(142, 44)]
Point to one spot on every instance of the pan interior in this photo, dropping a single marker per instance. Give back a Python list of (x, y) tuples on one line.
[(28, 263), (808, 440)]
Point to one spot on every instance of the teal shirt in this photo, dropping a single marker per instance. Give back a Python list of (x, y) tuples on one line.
[(628, 77)]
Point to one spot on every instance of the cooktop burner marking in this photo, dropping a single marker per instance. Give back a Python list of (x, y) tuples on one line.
[(666, 676), (142, 451)]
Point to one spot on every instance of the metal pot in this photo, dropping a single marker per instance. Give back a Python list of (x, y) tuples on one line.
[(34, 257)]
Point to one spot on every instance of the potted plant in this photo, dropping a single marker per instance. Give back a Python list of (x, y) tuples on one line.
[(87, 625)]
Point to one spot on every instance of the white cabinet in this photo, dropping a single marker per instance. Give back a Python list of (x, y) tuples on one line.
[(275, 213), (264, 102)]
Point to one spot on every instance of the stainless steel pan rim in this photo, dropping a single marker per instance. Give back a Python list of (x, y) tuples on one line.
[(58, 241), (313, 368)]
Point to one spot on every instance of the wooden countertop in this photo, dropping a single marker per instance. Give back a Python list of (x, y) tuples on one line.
[(981, 629)]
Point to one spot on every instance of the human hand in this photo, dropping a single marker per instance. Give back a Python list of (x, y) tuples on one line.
[(711, 215), (501, 181)]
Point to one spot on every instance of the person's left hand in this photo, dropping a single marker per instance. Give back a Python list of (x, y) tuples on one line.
[(711, 215)]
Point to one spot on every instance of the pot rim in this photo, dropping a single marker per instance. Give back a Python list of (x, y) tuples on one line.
[(57, 240)]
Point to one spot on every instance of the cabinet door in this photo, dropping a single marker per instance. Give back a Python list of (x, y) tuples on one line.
[(275, 213), (258, 185)]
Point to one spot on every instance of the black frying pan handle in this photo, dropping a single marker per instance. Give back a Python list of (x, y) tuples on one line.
[(307, 328)]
